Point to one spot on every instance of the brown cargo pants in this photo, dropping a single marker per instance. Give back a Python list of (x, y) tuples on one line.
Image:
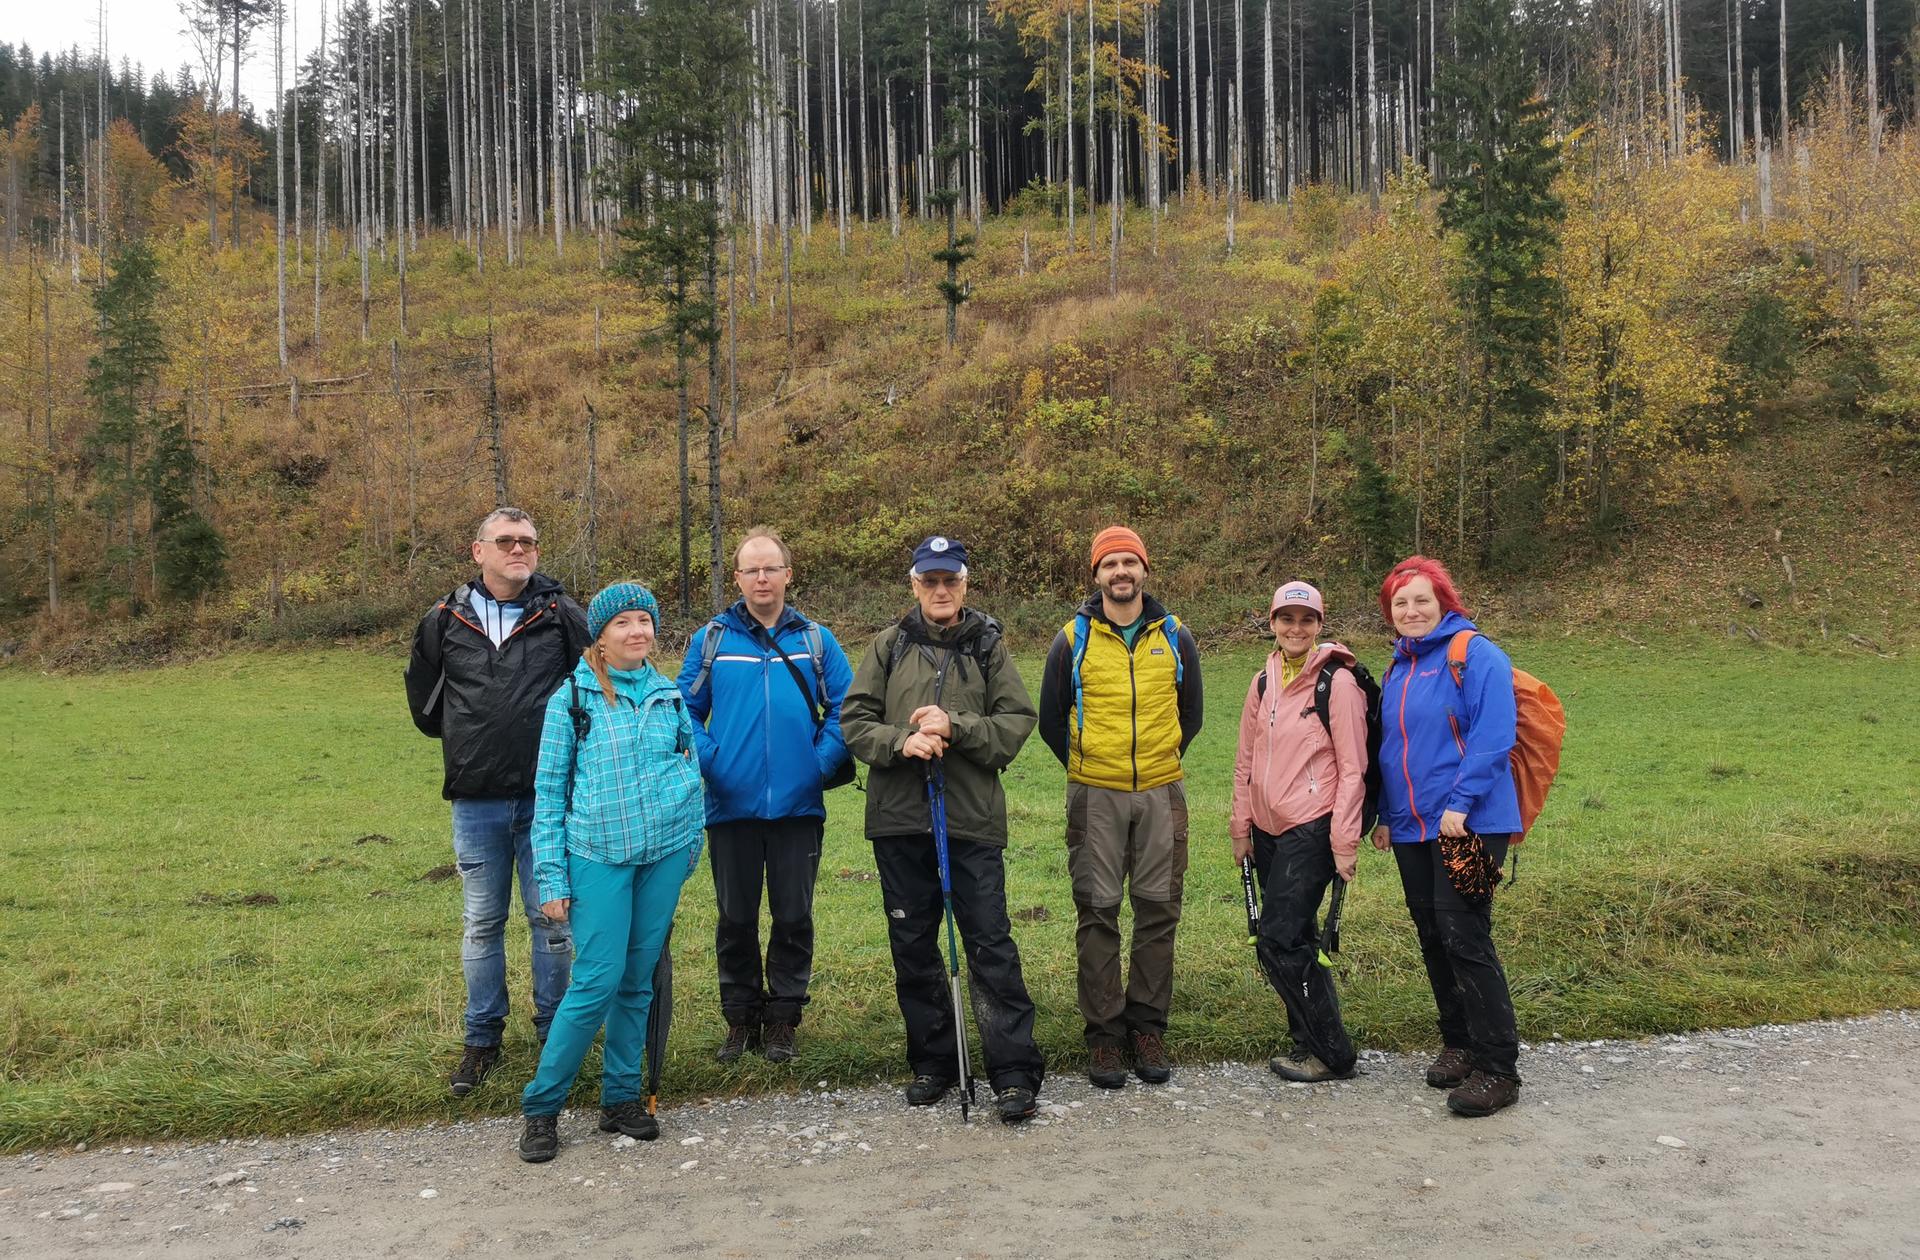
[(1134, 845)]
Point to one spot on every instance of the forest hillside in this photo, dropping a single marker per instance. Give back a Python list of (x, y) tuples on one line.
[(1625, 370)]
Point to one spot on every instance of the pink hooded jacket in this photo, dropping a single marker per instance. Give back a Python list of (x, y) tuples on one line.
[(1288, 771)]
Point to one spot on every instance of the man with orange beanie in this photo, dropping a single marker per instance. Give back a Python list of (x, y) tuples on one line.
[(1119, 703)]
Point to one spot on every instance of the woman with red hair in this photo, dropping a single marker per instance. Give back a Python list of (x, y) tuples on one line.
[(1448, 809)]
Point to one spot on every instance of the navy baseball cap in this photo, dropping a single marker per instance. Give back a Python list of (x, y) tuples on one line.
[(940, 554)]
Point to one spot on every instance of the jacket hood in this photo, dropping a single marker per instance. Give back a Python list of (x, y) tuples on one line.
[(744, 621), (1322, 656), (1151, 609), (635, 684), (972, 625), (538, 587), (1438, 637)]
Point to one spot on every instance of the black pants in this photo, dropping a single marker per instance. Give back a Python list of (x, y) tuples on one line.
[(916, 932), (1295, 869), (786, 853), (1463, 969)]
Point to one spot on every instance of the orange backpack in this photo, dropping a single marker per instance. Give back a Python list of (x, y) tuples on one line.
[(1540, 727)]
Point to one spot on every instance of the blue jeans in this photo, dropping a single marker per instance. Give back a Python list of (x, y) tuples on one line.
[(491, 837), (621, 917)]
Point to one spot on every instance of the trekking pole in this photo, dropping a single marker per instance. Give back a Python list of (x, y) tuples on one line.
[(1253, 900), (659, 1019), (1330, 931), (937, 806)]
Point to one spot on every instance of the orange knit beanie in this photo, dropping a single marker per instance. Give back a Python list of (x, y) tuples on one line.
[(1117, 538)]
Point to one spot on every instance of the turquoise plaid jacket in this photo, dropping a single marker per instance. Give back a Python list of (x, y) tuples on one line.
[(636, 793)]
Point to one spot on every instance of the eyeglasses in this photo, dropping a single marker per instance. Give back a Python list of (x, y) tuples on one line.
[(509, 543), (764, 571)]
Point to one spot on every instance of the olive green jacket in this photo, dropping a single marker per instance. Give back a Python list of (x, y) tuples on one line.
[(992, 716)]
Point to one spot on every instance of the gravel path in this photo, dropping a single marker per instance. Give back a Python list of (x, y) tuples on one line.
[(1794, 1140)]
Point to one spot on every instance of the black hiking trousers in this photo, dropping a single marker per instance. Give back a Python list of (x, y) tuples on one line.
[(1295, 870), (785, 852), (916, 933), (1463, 968)]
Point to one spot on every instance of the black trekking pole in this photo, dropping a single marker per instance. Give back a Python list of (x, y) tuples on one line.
[(1253, 899), (937, 807), (1330, 931), (659, 1019)]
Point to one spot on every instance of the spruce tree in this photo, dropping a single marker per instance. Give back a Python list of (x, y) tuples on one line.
[(1495, 144), (120, 381)]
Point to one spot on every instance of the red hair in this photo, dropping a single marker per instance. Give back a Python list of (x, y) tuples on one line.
[(1416, 567)]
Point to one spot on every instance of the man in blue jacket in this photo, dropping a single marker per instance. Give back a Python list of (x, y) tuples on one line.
[(762, 681)]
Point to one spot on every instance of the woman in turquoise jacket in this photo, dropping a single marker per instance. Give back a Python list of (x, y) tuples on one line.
[(617, 822), (1448, 810)]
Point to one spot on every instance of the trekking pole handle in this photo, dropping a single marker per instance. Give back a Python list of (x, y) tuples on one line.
[(1252, 895)]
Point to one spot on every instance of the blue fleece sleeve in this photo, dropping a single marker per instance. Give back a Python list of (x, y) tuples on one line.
[(1487, 692), (701, 704), (550, 773), (829, 745)]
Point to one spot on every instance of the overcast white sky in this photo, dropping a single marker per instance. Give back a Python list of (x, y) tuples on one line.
[(151, 33)]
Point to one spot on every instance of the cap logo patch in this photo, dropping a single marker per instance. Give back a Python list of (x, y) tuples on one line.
[(938, 544), (1300, 595)]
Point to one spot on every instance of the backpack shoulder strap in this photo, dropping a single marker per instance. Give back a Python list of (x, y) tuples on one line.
[(983, 645), (1457, 656), (1260, 683), (709, 650), (1171, 629), (817, 649), (1323, 695), (1082, 634), (582, 724)]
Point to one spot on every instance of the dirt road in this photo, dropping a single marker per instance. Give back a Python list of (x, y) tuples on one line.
[(1796, 1140)]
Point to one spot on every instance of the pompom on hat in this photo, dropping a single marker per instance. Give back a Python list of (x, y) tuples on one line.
[(616, 599)]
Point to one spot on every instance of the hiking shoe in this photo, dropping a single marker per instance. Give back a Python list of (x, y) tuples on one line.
[(631, 1118), (927, 1090), (475, 1063), (1305, 1068), (779, 1042), (1150, 1061), (541, 1140), (1482, 1094), (1015, 1103), (740, 1038), (1107, 1068), (1450, 1069)]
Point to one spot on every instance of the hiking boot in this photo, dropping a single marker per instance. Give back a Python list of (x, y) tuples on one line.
[(631, 1118), (740, 1039), (1014, 1103), (927, 1090), (475, 1063), (1450, 1069), (1150, 1061), (541, 1141), (1107, 1068), (1483, 1093), (779, 1042), (1305, 1068)]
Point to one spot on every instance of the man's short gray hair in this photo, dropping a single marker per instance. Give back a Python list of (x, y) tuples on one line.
[(501, 514)]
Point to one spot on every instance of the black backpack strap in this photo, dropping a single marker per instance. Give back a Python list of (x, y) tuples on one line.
[(1323, 696), (582, 726), (817, 712)]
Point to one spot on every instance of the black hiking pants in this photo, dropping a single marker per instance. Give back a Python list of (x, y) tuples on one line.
[(1295, 869), (1463, 969), (916, 933), (785, 853)]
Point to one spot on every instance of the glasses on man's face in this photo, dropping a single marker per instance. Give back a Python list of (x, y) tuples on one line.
[(940, 580), (764, 571), (509, 543)]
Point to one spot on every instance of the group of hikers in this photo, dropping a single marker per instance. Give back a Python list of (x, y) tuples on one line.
[(575, 762)]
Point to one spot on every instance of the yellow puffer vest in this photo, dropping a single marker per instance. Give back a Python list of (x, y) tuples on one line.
[(1127, 737)]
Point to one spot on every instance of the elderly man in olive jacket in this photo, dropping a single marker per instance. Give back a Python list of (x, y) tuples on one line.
[(939, 690)]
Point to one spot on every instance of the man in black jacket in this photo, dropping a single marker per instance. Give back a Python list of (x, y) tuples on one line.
[(485, 660)]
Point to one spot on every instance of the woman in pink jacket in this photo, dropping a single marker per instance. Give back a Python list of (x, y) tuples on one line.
[(1298, 790)]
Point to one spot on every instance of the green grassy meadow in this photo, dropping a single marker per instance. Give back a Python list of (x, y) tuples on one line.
[(225, 910)]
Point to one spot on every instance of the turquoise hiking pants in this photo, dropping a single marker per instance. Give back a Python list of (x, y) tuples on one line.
[(620, 917)]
